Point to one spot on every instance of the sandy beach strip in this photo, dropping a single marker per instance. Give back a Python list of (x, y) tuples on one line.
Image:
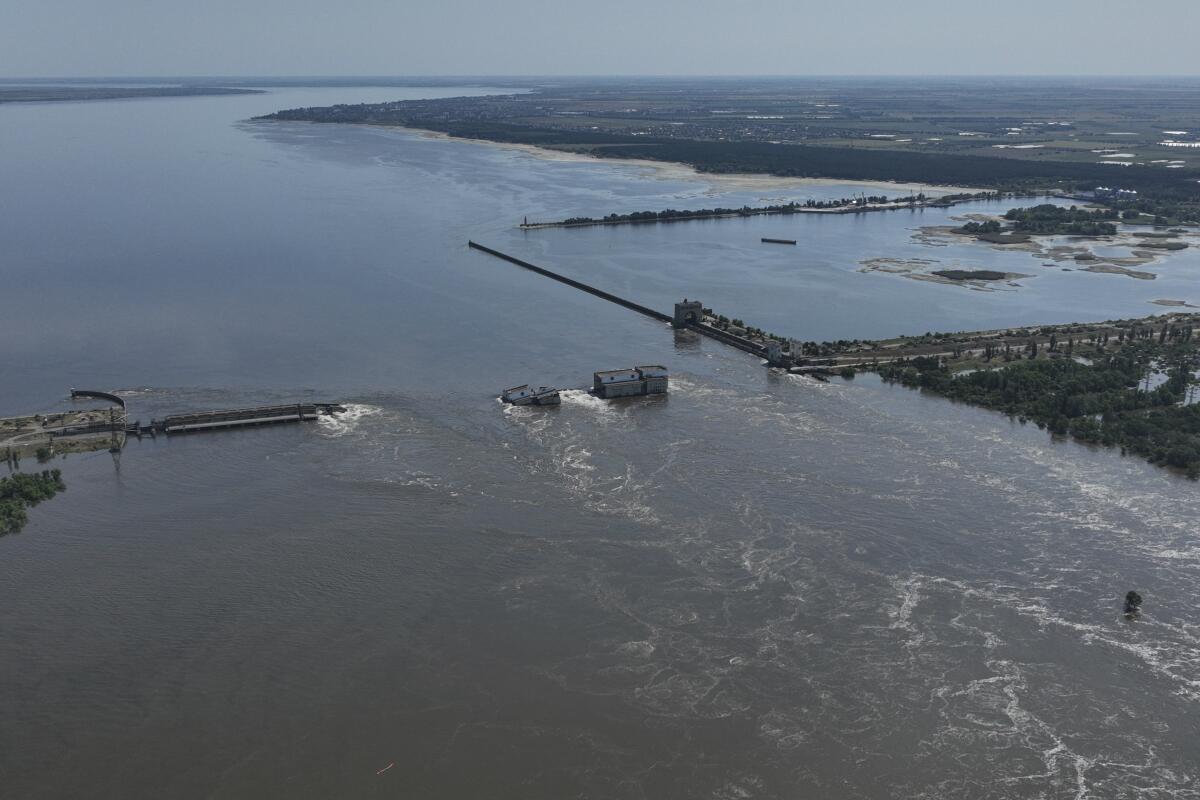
[(675, 171)]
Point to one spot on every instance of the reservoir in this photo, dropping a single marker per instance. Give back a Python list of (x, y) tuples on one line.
[(755, 586)]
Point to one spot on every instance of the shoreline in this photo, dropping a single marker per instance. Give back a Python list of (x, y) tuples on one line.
[(675, 170), (756, 212)]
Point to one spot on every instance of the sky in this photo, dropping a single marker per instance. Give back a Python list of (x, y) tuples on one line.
[(86, 38)]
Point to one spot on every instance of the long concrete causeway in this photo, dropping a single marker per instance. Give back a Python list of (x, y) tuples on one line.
[(721, 336), (612, 298)]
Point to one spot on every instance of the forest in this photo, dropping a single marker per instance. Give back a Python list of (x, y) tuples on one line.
[(785, 160), (1109, 400), (993, 134), (1051, 219), (22, 490)]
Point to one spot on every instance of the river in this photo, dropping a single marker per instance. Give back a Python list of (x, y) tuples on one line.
[(759, 586)]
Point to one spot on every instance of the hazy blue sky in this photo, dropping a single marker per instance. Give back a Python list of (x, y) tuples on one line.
[(403, 37)]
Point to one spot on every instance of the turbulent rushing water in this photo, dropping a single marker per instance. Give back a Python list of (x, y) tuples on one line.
[(759, 586)]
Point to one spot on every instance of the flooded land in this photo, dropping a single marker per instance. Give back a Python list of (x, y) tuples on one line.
[(758, 585)]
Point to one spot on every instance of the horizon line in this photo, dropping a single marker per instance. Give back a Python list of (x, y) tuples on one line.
[(590, 75)]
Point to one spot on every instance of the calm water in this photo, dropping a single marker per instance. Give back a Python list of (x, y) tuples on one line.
[(760, 586)]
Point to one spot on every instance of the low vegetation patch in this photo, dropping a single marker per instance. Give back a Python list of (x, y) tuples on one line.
[(1157, 245)]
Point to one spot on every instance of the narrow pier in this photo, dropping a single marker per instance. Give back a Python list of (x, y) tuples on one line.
[(612, 298), (691, 320)]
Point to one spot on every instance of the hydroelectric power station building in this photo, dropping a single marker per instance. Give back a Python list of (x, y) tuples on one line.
[(630, 382)]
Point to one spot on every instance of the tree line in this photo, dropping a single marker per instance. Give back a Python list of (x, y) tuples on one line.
[(21, 490), (1051, 219), (480, 121), (1109, 401), (671, 214)]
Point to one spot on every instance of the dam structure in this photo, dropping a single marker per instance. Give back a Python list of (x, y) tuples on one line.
[(207, 420), (632, 382), (583, 287), (242, 417), (689, 315), (85, 430)]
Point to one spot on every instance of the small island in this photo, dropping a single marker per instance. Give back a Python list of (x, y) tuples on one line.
[(972, 274), (1086, 229), (1056, 220), (845, 205), (1044, 220), (1157, 245)]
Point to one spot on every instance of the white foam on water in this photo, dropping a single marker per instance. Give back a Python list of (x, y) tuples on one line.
[(782, 732), (604, 410), (815, 385), (534, 419), (346, 422), (573, 463), (410, 479), (682, 385), (617, 494), (1168, 650), (640, 649), (910, 595), (973, 710), (1190, 554)]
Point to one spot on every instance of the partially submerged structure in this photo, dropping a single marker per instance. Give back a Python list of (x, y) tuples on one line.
[(526, 395), (239, 418), (631, 382)]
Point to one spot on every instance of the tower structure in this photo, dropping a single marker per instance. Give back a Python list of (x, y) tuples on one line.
[(687, 312)]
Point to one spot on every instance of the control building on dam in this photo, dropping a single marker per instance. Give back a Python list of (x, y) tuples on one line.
[(630, 382)]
